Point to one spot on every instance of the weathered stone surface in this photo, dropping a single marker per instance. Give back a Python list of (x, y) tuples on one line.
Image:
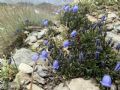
[(23, 55), (112, 15), (77, 84), (42, 71), (31, 39), (91, 18), (39, 79), (42, 33), (110, 27), (62, 87), (34, 87), (115, 37), (25, 68), (22, 78), (113, 87)]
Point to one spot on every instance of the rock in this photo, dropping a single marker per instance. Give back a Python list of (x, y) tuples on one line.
[(35, 46), (42, 33), (115, 37), (22, 78), (23, 55), (34, 33), (25, 68), (42, 71), (112, 15), (110, 27), (26, 32), (31, 39), (117, 28), (113, 87), (58, 39), (1, 60), (34, 87), (77, 84), (39, 79), (61, 87), (13, 86), (91, 18), (118, 87)]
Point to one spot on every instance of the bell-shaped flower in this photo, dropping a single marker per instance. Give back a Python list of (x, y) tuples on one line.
[(45, 42), (35, 57), (75, 9), (44, 55), (45, 22), (117, 67), (81, 56), (118, 46), (103, 18), (66, 43), (73, 34), (66, 8), (56, 65), (109, 41), (97, 55), (106, 81), (98, 42)]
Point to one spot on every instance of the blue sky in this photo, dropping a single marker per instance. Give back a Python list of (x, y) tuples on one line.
[(36, 1)]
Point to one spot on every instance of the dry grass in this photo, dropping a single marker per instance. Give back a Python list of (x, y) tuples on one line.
[(12, 17)]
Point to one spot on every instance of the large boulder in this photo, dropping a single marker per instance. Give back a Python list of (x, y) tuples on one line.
[(23, 55), (77, 84)]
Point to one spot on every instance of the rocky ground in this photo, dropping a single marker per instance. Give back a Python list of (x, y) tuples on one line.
[(44, 77)]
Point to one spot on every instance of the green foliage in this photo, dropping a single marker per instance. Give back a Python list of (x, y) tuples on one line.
[(7, 73), (75, 20), (70, 64)]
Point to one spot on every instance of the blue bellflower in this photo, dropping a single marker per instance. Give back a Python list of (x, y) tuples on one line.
[(106, 81), (66, 8), (103, 18), (45, 22), (75, 9), (66, 43), (97, 55), (45, 42), (35, 57), (73, 34), (56, 65), (44, 55), (81, 56), (117, 67), (118, 47), (98, 42), (109, 41)]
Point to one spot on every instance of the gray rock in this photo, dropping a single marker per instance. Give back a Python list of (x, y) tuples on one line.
[(22, 78), (115, 37), (35, 46), (42, 71), (39, 79), (31, 39), (25, 68), (34, 33), (42, 33), (117, 28), (113, 87), (77, 84), (91, 18), (34, 87), (23, 55), (112, 15), (110, 27), (61, 87)]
